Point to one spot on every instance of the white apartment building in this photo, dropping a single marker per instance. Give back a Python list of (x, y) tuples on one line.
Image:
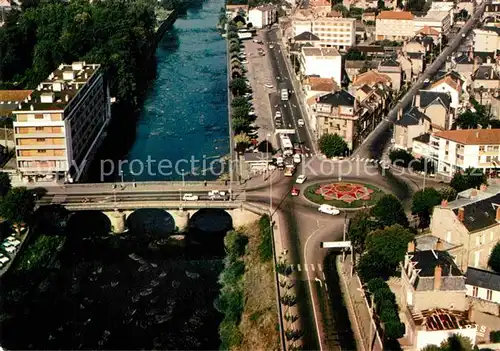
[(394, 25), (486, 39), (457, 150), (439, 20), (483, 285), (321, 62), (262, 16), (336, 32), (59, 127)]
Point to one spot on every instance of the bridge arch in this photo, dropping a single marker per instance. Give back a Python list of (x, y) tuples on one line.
[(88, 223), (154, 222), (211, 220)]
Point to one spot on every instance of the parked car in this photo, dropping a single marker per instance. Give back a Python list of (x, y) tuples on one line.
[(329, 209), (269, 86), (216, 195), (300, 122), (271, 46), (190, 197), (295, 192), (297, 158), (300, 179), (277, 115)]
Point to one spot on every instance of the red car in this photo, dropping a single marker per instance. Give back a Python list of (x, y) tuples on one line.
[(295, 192)]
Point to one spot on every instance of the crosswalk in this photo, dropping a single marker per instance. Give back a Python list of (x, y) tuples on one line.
[(307, 267), (369, 160)]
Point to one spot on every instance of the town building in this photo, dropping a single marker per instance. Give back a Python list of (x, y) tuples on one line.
[(234, 10), (371, 78), (486, 39), (433, 299), (485, 83), (450, 84), (333, 31), (321, 62), (470, 224), (60, 125), (5, 8), (394, 25), (262, 16), (457, 150), (391, 68), (440, 21)]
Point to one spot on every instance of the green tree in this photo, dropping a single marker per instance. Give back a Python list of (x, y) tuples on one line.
[(448, 193), (471, 178), (235, 243), (389, 245), (494, 259), (354, 54), (400, 157), (240, 112), (359, 228), (332, 145), (5, 184), (457, 343), (238, 86), (240, 125), (388, 211), (239, 101), (423, 203), (341, 9), (232, 35), (431, 348), (17, 206)]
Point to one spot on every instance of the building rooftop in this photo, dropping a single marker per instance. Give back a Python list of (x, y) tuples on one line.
[(412, 117), (265, 7), (429, 242), (396, 15), (321, 84), (306, 36), (455, 84), (325, 52), (472, 136), (425, 262), (371, 77), (14, 96), (478, 213), (441, 319), (59, 88), (339, 98), (428, 98), (486, 73), (482, 278), (428, 31), (423, 138), (437, 15), (415, 55)]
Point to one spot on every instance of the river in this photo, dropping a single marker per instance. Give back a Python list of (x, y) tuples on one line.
[(185, 113)]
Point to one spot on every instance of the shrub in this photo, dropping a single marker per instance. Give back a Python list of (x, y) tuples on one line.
[(266, 239)]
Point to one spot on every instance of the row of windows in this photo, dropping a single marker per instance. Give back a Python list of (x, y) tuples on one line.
[(489, 293), (330, 29)]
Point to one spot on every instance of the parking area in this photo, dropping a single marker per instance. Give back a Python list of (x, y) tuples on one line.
[(259, 75)]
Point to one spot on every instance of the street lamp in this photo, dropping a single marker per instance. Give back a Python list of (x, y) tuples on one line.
[(121, 178), (182, 174)]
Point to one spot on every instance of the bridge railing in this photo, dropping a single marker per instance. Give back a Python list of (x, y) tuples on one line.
[(108, 206)]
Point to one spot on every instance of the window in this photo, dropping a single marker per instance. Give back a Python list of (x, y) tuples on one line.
[(38, 128), (474, 291), (481, 148), (477, 256), (42, 151), (38, 116), (40, 140), (489, 295)]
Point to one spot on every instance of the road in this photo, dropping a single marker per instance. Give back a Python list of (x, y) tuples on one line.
[(371, 146), (290, 109)]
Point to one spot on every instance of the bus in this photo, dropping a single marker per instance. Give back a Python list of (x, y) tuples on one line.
[(283, 92), (286, 145)]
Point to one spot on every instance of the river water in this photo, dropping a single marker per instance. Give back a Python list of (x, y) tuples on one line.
[(185, 115)]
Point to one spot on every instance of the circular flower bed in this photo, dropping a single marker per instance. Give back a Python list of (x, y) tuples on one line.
[(346, 192)]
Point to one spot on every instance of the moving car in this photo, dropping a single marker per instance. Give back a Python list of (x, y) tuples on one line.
[(295, 192), (301, 122), (189, 197), (244, 62), (328, 209), (300, 179), (216, 194)]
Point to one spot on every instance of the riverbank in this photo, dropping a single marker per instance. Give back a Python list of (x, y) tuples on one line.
[(166, 20)]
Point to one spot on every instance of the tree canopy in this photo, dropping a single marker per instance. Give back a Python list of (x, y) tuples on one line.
[(453, 343), (494, 259), (400, 157), (359, 227), (332, 145), (238, 86), (481, 117), (471, 178), (423, 202), (17, 206), (388, 211), (5, 184)]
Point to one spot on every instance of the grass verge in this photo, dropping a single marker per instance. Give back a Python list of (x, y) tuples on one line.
[(374, 197), (256, 328)]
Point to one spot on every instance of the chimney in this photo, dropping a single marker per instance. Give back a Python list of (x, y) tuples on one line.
[(473, 194), (32, 108), (439, 245), (444, 203), (411, 245), (498, 214), (461, 214), (477, 134), (437, 277)]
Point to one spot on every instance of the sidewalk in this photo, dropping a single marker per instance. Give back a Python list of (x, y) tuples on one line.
[(359, 312)]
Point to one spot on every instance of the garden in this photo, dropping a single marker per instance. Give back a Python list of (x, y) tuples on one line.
[(344, 194)]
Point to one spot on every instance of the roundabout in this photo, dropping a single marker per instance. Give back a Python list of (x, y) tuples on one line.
[(344, 194)]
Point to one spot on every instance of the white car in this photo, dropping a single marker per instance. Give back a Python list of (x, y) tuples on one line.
[(300, 179), (300, 122), (328, 209), (297, 158), (278, 114), (270, 86), (271, 46), (190, 197)]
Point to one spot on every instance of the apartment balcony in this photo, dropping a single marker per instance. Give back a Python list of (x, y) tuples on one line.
[(41, 147), (41, 157), (39, 135)]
